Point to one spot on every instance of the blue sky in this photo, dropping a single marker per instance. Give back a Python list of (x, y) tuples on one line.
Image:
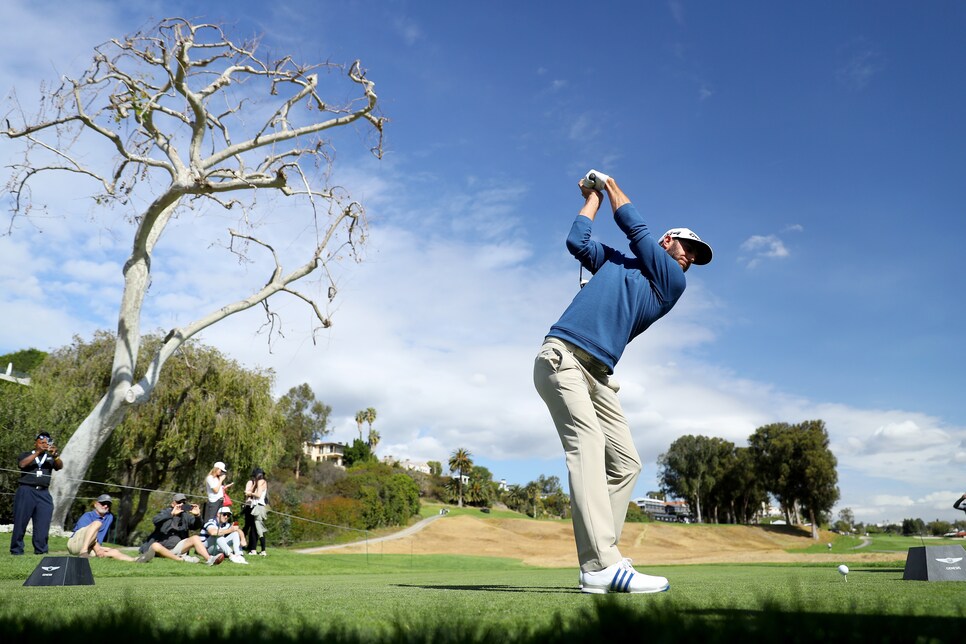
[(818, 147)]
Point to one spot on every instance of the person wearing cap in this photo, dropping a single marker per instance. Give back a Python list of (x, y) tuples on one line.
[(215, 487), (91, 530), (222, 534), (32, 500), (573, 373), (171, 538)]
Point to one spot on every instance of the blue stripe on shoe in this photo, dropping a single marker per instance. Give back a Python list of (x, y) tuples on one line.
[(614, 582), (621, 581), (627, 584)]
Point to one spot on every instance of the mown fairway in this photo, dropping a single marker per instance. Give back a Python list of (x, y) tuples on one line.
[(426, 598)]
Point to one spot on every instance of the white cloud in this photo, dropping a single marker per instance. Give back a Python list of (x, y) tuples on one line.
[(583, 128), (409, 30), (886, 500), (761, 247), (677, 11), (862, 64)]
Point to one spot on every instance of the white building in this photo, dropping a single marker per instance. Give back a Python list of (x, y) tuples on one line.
[(332, 452), (406, 464)]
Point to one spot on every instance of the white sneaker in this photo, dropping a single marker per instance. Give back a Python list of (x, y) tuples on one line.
[(621, 578), (595, 179), (238, 559), (214, 560), (189, 559)]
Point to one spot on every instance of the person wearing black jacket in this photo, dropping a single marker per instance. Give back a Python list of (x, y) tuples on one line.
[(171, 538)]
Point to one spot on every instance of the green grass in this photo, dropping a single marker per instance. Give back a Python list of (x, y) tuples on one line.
[(430, 509), (355, 598), (879, 543)]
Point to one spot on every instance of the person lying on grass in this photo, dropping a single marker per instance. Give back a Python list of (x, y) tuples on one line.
[(170, 538)]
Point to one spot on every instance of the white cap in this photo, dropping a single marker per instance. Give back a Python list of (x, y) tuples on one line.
[(704, 252), (221, 466)]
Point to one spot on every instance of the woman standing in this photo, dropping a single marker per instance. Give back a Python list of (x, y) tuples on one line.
[(215, 487), (256, 509)]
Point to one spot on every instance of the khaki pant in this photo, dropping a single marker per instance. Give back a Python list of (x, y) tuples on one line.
[(77, 541), (601, 458)]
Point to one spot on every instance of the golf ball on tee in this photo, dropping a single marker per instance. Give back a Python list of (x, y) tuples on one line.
[(844, 569)]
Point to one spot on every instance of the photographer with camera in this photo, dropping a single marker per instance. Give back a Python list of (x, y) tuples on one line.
[(170, 538), (32, 501)]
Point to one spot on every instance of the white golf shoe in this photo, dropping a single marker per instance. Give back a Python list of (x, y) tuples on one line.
[(621, 578)]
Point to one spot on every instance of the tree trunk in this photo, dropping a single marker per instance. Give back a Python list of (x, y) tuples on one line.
[(80, 450), (811, 516), (84, 444)]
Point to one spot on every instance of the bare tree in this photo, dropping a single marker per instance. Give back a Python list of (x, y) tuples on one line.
[(193, 119)]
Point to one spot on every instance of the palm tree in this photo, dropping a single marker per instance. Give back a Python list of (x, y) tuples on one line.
[(360, 418), (460, 461), (515, 498), (373, 439), (370, 416)]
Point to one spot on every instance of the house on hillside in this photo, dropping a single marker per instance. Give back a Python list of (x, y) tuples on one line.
[(331, 452), (406, 464), (668, 511)]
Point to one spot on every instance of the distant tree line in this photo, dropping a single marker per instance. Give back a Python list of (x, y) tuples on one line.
[(723, 483), (472, 485)]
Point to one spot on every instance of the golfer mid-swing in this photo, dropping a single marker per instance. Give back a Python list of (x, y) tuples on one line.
[(572, 374)]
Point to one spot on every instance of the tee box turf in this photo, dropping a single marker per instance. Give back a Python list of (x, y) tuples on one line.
[(61, 571), (935, 563)]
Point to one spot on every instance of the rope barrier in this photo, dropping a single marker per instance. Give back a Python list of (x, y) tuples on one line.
[(191, 496)]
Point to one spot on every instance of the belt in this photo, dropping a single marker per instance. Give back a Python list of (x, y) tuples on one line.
[(35, 487), (590, 362)]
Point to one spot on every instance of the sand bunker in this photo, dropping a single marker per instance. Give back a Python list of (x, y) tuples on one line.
[(551, 543)]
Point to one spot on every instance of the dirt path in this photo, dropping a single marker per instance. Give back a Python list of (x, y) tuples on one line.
[(866, 541), (402, 534), (551, 543)]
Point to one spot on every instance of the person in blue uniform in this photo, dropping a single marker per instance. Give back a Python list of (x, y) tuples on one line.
[(32, 500)]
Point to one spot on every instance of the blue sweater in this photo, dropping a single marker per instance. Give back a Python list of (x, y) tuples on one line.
[(626, 294)]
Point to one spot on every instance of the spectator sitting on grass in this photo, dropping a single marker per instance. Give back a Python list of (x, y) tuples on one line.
[(170, 537), (91, 530), (222, 535)]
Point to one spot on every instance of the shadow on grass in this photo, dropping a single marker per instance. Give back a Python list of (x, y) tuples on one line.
[(603, 621), (497, 588)]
